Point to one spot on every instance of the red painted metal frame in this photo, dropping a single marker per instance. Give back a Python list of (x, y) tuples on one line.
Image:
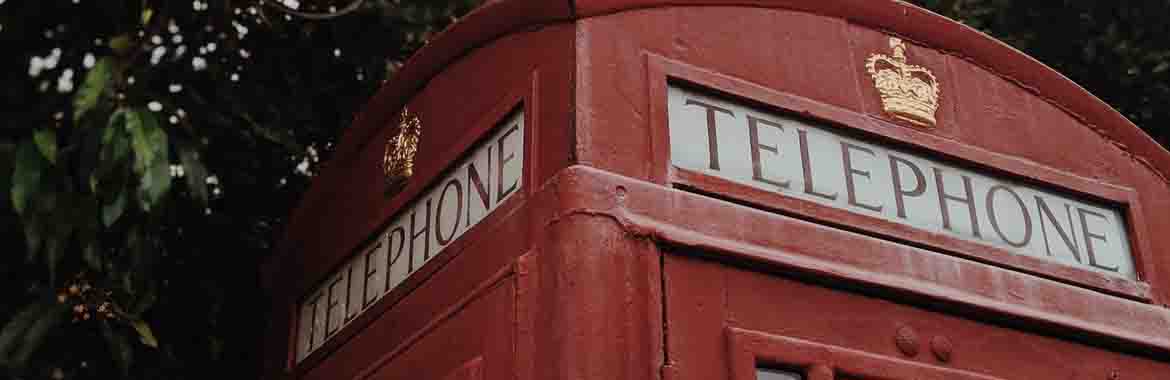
[(662, 72)]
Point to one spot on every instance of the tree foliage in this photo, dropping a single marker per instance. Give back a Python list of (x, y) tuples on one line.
[(151, 150), (149, 153), (1118, 50)]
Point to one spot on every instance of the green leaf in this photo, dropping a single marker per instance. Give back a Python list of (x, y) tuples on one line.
[(1163, 66), (51, 316), (148, 140), (155, 184), (39, 223), (147, 13), (115, 147), (26, 175), (113, 210), (194, 171), (119, 148), (63, 220), (89, 156), (92, 255), (13, 333), (88, 229), (54, 250), (151, 151), (7, 164), (46, 140), (282, 138), (91, 89), (145, 335), (116, 120), (34, 234), (138, 142)]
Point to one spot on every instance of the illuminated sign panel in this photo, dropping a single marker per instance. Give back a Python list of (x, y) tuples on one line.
[(459, 200), (809, 161)]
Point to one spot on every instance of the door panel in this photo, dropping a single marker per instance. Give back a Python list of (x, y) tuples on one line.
[(729, 320)]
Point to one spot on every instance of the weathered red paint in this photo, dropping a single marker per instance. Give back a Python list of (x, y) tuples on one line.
[(612, 264)]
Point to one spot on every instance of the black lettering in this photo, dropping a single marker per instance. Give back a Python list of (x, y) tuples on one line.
[(1090, 236), (331, 303), (943, 197), (349, 294), (393, 259), (850, 189), (371, 270), (899, 192), (415, 233), (502, 193), (458, 211), (712, 142), (756, 147), (806, 164), (995, 219), (313, 318), (1071, 243), (474, 181)]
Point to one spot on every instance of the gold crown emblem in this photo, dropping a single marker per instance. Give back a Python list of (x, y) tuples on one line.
[(908, 92), (398, 160)]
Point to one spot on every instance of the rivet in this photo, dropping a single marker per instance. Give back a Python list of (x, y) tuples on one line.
[(907, 341), (1114, 375), (942, 348)]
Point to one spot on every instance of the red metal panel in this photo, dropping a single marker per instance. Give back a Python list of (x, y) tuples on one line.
[(473, 344), (767, 319)]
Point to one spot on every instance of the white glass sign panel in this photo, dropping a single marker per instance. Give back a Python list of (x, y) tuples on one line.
[(772, 374), (455, 203), (810, 161)]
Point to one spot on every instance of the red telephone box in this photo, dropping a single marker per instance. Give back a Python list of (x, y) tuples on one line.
[(727, 189)]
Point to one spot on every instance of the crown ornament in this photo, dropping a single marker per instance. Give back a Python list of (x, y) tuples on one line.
[(908, 92), (398, 159)]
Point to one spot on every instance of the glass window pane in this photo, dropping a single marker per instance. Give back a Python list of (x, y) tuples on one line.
[(772, 374)]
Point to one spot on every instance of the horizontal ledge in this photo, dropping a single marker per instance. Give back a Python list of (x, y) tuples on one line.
[(676, 217)]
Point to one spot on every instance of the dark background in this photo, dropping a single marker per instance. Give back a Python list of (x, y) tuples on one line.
[(151, 150)]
